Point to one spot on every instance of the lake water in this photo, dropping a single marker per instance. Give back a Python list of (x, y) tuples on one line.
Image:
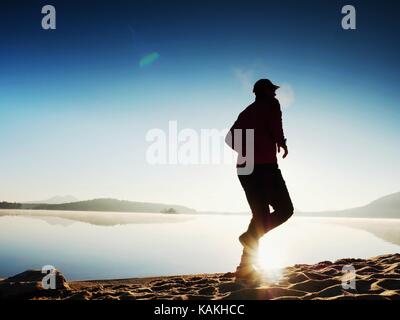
[(88, 245)]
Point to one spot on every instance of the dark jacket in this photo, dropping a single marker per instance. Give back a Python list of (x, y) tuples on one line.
[(265, 117)]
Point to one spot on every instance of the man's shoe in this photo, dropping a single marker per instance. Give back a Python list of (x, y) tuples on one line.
[(245, 272), (248, 241)]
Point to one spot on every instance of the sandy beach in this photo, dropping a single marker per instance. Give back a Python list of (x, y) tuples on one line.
[(376, 278)]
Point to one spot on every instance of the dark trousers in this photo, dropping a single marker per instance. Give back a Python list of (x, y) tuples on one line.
[(264, 187)]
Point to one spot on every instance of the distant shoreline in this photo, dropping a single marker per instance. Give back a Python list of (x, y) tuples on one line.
[(319, 214), (387, 207), (102, 205)]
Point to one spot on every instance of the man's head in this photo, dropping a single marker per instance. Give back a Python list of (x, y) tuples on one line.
[(264, 88)]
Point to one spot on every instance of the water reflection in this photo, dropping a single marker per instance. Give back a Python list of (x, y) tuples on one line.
[(65, 218), (119, 245)]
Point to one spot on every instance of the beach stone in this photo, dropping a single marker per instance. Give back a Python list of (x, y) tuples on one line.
[(11, 290), (37, 276), (29, 283)]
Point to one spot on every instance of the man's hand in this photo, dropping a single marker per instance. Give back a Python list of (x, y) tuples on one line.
[(285, 148)]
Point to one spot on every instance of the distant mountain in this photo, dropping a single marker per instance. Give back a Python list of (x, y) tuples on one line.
[(385, 207), (57, 200), (111, 205)]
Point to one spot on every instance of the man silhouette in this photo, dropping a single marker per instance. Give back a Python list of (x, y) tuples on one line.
[(264, 186)]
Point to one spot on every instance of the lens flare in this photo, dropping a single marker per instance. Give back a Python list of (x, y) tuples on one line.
[(148, 59), (270, 262)]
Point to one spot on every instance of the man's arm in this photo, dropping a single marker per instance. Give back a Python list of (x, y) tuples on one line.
[(277, 128), (230, 136)]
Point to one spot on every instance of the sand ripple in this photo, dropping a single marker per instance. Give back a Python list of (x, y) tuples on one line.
[(376, 279)]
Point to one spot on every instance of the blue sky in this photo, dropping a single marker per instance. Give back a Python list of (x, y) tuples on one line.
[(75, 102)]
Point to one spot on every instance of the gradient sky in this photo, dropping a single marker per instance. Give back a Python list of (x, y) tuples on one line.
[(76, 102)]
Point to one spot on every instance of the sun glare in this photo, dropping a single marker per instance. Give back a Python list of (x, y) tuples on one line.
[(270, 261), (270, 256)]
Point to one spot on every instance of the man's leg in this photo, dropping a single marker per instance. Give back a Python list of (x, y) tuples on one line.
[(263, 189), (279, 200), (257, 197)]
